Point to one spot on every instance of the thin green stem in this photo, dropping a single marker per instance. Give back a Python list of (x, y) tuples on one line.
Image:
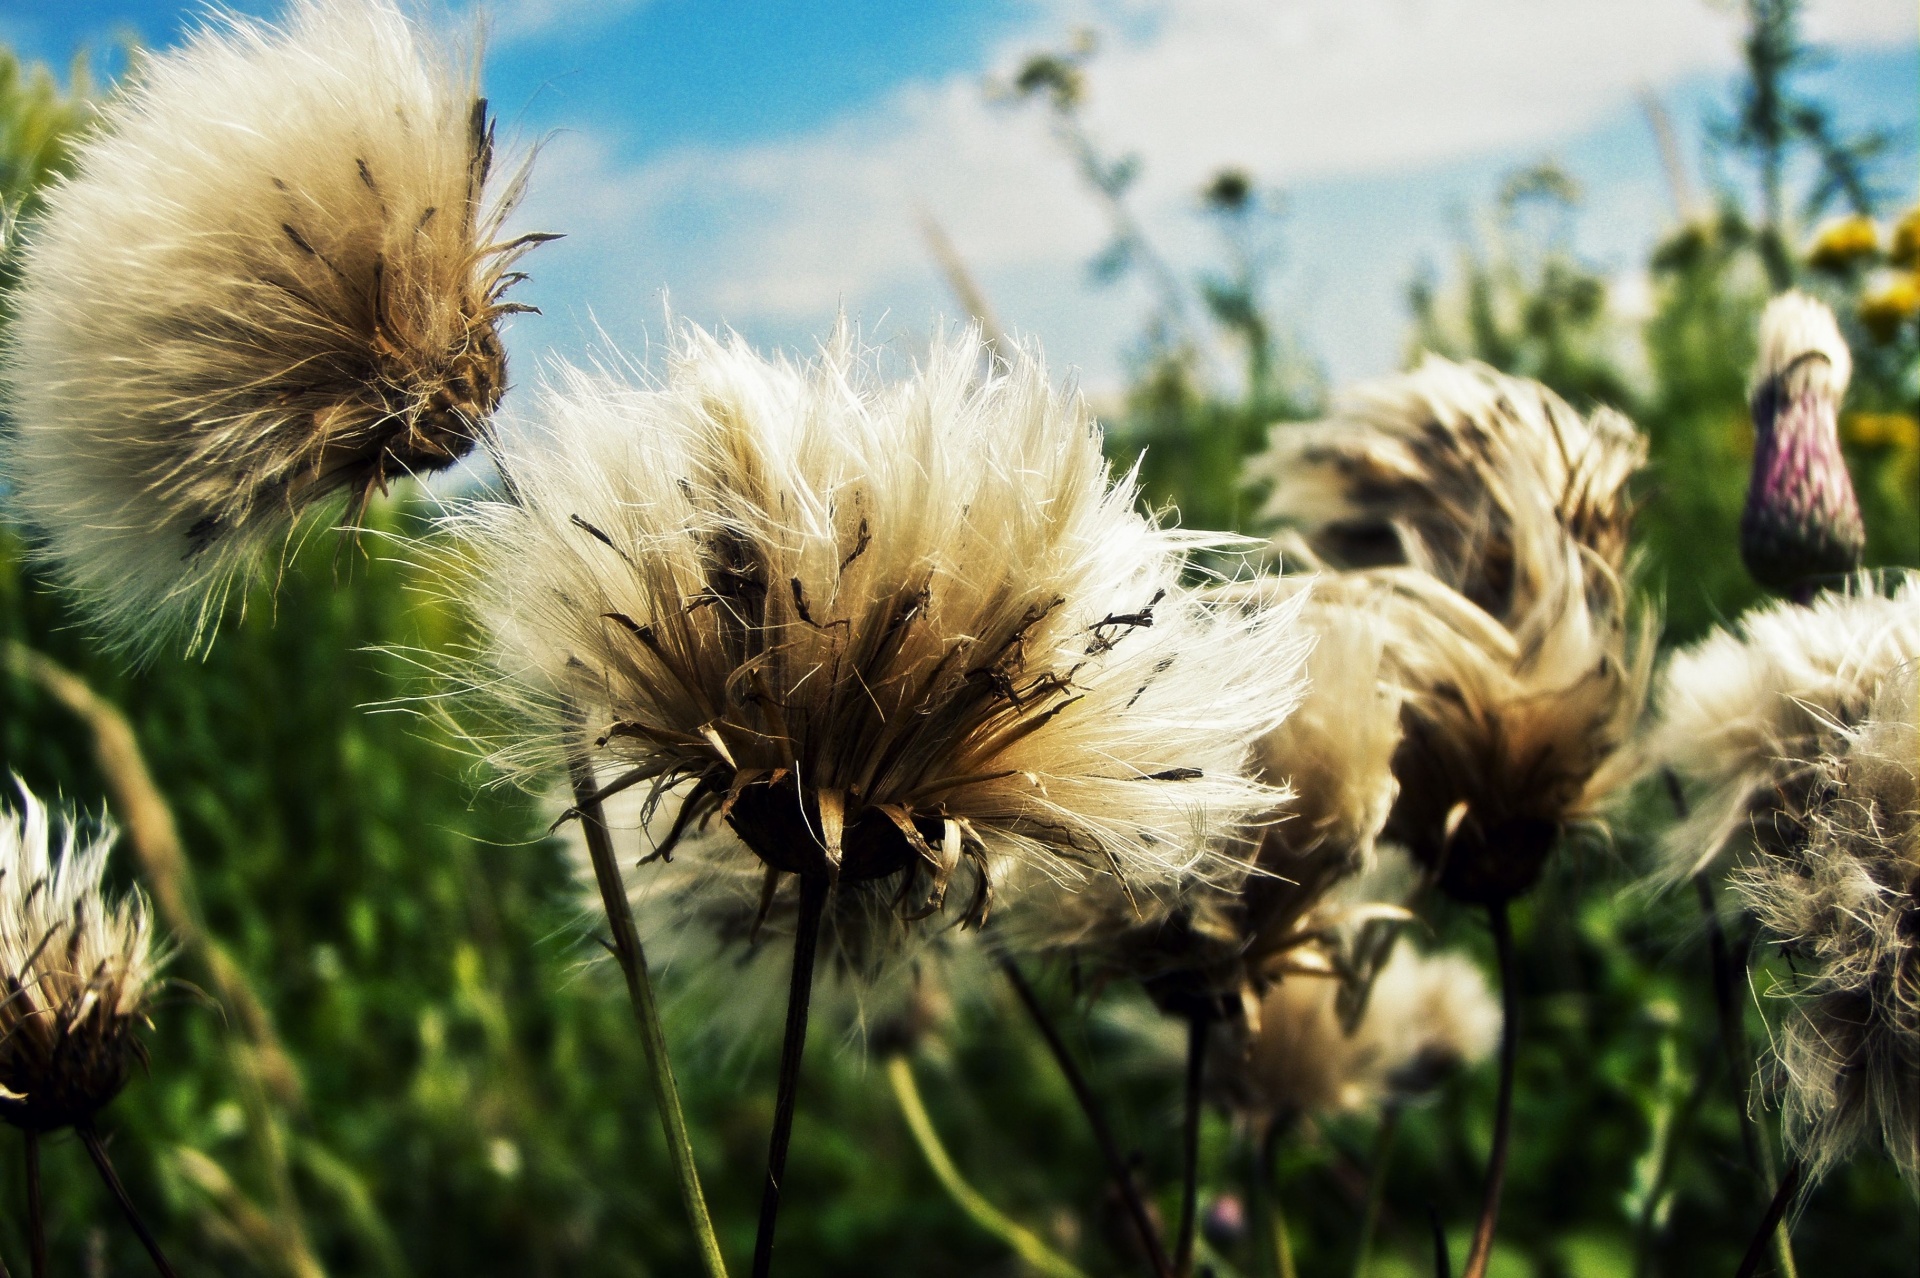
[(104, 1165), (1481, 1250), (793, 1044), (1270, 1190), (1376, 1189), (1096, 1118), (1770, 1223), (646, 1013), (1024, 1242), (1198, 1027)]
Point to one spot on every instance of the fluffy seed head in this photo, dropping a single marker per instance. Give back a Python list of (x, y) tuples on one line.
[(1218, 945), (1746, 715), (76, 970), (1846, 907), (1801, 521), (882, 629), (1438, 469), (274, 277), (1505, 517), (1428, 1017)]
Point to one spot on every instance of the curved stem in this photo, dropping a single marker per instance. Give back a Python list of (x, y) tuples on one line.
[(1096, 1120), (1198, 1024), (1482, 1248), (1376, 1189), (98, 1152), (1024, 1242), (646, 1013), (806, 943), (36, 1214), (1769, 1223)]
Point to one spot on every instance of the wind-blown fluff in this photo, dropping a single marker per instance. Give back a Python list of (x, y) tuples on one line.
[(1429, 1016), (1437, 469), (76, 970), (884, 630), (1845, 906), (1746, 715), (274, 277), (1801, 522), (1216, 947)]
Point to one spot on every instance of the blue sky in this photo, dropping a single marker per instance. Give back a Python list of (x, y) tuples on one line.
[(766, 164)]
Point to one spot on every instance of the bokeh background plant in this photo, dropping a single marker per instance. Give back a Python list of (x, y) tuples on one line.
[(445, 1080)]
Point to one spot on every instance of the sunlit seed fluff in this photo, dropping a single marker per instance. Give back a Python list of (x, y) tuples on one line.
[(1218, 945), (1745, 715), (884, 629), (1429, 1016), (1423, 469), (76, 969), (1845, 905), (274, 278), (1801, 522)]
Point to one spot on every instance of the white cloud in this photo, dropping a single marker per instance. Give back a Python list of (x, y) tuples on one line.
[(773, 236)]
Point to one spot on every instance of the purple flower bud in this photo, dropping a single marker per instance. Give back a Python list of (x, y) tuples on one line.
[(1802, 521)]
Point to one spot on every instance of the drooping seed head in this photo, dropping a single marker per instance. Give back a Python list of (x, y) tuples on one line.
[(275, 277), (1801, 523), (76, 973)]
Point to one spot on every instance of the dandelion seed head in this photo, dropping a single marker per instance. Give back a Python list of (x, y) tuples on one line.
[(274, 278), (77, 970)]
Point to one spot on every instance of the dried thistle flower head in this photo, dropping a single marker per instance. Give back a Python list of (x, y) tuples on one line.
[(1506, 517), (1746, 715), (76, 969), (1846, 906), (883, 629), (1802, 521), (274, 277), (1437, 469), (1217, 946), (1429, 1016)]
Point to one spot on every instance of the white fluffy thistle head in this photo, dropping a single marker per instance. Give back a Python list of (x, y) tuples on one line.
[(1428, 1016), (1440, 469), (273, 278), (1845, 904), (883, 630), (1746, 715), (76, 970), (1217, 946)]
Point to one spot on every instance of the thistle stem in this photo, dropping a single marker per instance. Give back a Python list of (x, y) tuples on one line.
[(1270, 1181), (1096, 1121), (1023, 1241), (1376, 1189), (1481, 1250), (1198, 1023), (1770, 1223), (646, 1013), (36, 1214), (1733, 1032), (806, 942), (98, 1152)]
